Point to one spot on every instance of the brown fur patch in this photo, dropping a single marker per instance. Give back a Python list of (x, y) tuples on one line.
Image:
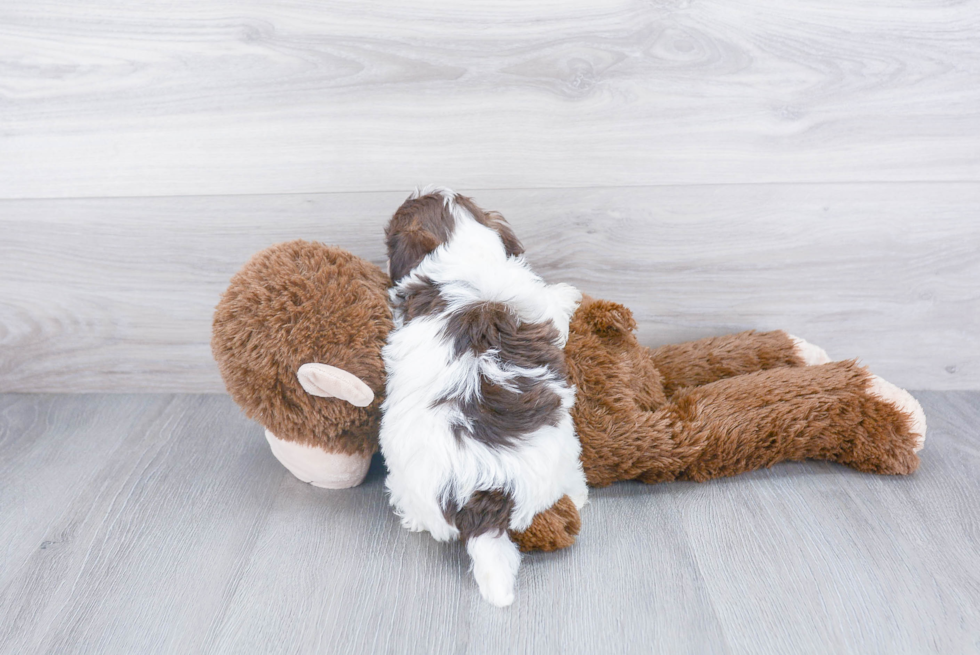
[(295, 303), (418, 227), (552, 529), (420, 298), (501, 416), (484, 326), (695, 363), (486, 511)]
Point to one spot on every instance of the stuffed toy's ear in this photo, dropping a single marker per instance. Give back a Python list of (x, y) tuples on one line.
[(332, 382)]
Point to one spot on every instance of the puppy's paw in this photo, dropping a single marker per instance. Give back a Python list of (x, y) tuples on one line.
[(810, 354), (904, 402), (495, 563)]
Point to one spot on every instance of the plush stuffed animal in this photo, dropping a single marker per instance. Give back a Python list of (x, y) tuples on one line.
[(718, 407), (699, 410), (298, 337)]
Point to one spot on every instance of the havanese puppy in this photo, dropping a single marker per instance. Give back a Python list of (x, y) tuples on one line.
[(476, 431)]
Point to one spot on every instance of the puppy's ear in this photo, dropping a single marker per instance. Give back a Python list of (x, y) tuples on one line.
[(495, 222), (407, 249), (512, 244)]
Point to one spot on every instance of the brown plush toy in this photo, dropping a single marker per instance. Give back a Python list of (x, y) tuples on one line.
[(298, 338), (718, 407)]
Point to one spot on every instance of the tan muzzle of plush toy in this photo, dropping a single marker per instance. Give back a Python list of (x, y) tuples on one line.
[(315, 465), (318, 467)]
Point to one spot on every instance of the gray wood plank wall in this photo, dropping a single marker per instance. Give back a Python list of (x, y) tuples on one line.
[(813, 166)]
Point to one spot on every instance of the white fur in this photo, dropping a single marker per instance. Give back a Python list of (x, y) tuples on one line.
[(425, 460), (905, 402), (495, 563), (810, 354)]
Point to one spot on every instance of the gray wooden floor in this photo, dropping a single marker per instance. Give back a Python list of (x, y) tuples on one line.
[(161, 523)]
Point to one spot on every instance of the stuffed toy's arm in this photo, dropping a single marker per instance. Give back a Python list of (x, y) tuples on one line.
[(696, 363)]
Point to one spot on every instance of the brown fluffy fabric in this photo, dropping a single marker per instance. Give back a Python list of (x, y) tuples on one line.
[(738, 403), (759, 419), (295, 303), (712, 408), (551, 530), (694, 363)]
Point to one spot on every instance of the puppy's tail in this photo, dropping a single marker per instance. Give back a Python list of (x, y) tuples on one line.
[(495, 563)]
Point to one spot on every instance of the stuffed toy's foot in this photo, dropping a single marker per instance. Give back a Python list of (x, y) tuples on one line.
[(810, 354), (905, 403), (495, 563), (837, 411), (317, 466), (892, 429)]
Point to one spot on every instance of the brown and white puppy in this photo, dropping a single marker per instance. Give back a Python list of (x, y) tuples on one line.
[(476, 430)]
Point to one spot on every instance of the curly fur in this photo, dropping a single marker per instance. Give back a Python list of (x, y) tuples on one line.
[(295, 303), (476, 433)]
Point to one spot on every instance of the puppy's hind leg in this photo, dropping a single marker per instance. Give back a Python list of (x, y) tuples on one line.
[(495, 563)]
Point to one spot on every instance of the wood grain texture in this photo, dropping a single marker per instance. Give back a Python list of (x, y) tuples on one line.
[(178, 97), (137, 557), (117, 294), (176, 531)]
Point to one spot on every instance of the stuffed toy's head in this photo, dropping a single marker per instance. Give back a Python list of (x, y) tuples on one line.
[(298, 337)]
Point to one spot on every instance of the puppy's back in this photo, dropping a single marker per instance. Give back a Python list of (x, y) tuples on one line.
[(520, 367)]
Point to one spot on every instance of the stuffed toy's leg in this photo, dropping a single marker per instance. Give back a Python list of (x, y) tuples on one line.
[(838, 412), (696, 363)]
